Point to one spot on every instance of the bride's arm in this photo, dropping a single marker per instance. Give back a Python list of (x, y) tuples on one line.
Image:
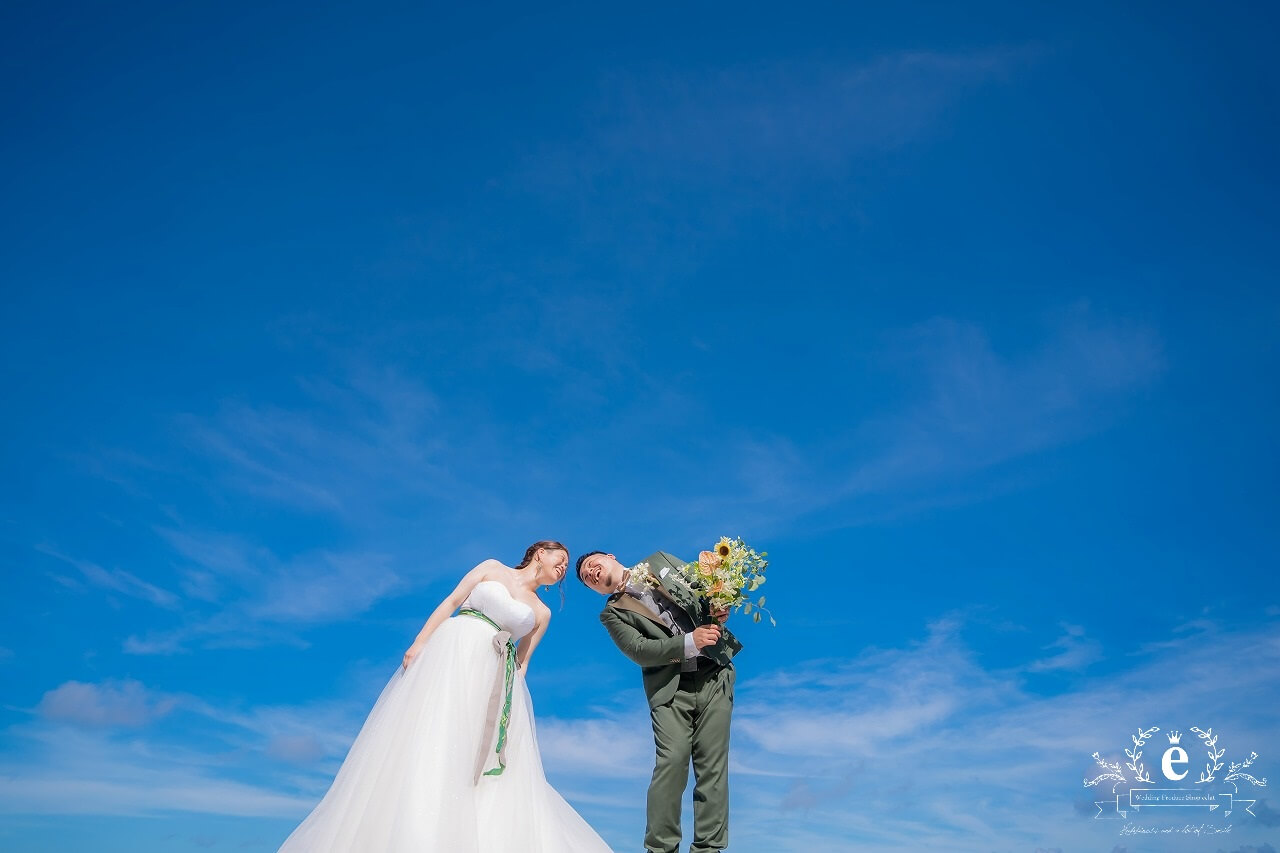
[(446, 607), (524, 650)]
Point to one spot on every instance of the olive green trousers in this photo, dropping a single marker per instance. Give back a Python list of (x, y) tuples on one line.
[(693, 728)]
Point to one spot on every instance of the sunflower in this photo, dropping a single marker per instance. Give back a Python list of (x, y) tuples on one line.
[(723, 549)]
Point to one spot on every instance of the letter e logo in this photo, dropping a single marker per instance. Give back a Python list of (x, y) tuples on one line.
[(1174, 755)]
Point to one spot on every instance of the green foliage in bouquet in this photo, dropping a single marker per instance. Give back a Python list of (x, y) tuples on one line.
[(727, 574)]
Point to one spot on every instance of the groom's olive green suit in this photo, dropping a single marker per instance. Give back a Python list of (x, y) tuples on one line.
[(690, 711)]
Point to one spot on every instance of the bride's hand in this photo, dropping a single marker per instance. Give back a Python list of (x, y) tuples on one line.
[(410, 655)]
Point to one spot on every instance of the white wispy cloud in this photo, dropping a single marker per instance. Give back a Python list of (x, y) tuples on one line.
[(114, 580), (1014, 751), (110, 703), (87, 773), (968, 408), (1073, 651), (772, 116), (617, 744), (313, 586), (663, 165), (979, 407), (922, 747), (251, 596), (372, 443), (351, 438), (366, 444), (365, 448), (123, 748), (777, 123), (918, 747)]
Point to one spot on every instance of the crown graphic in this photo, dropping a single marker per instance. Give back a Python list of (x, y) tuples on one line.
[(1174, 737)]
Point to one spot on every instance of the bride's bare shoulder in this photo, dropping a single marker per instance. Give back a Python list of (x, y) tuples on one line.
[(485, 567)]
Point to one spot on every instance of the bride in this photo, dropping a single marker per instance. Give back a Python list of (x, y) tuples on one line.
[(447, 760)]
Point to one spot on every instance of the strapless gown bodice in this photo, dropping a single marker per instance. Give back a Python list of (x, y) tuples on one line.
[(494, 600)]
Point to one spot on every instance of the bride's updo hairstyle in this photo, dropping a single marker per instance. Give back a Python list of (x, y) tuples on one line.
[(546, 545), (549, 545)]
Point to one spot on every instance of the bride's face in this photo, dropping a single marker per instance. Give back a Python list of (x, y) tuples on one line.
[(603, 573), (551, 566)]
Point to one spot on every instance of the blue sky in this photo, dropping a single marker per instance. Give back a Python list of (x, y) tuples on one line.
[(966, 315)]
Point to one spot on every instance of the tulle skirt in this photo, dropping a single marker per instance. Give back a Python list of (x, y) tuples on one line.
[(408, 784)]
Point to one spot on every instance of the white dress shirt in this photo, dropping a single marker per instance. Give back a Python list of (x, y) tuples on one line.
[(672, 615)]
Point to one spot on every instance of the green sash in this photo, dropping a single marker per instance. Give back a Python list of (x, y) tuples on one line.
[(499, 714)]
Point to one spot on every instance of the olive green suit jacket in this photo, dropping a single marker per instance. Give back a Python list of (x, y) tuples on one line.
[(643, 637)]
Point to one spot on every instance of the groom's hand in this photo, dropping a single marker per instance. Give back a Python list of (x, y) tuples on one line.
[(707, 635), (720, 615)]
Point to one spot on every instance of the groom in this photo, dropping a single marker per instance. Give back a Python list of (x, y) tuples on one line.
[(688, 677)]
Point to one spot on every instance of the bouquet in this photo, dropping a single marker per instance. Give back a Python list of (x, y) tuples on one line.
[(726, 574)]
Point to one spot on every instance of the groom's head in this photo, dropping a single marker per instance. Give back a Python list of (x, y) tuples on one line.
[(602, 572)]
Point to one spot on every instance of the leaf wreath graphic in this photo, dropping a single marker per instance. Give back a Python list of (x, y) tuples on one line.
[(1215, 754), (1140, 773), (1234, 772), (1113, 772)]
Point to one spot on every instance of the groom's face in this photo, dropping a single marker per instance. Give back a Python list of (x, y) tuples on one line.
[(603, 573)]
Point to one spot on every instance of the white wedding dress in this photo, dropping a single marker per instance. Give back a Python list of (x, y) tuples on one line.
[(411, 781)]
